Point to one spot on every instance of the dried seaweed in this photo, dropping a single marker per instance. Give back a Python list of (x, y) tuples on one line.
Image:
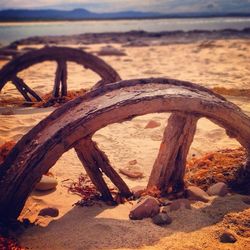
[(220, 166), (85, 189), (47, 100)]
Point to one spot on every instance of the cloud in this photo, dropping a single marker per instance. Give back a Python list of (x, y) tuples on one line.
[(166, 6)]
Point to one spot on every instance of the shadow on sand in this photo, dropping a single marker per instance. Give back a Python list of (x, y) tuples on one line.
[(105, 227)]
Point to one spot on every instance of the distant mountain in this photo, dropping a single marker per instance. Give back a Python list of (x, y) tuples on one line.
[(76, 14), (83, 14)]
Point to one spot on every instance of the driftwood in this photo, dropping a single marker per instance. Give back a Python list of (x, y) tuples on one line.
[(60, 55), (73, 124)]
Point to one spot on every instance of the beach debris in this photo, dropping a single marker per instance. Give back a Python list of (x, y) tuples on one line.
[(46, 183), (49, 211), (138, 191), (110, 51), (146, 207), (162, 219), (9, 72), (196, 194), (219, 189), (220, 166), (227, 237), (179, 203), (84, 188), (152, 124), (131, 172), (5, 149)]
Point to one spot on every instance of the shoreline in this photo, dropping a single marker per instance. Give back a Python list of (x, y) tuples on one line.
[(138, 38)]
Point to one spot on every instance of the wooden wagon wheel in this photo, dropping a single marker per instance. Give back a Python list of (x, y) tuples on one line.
[(73, 124), (61, 55)]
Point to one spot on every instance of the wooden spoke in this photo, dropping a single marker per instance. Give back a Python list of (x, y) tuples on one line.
[(18, 82), (169, 167), (103, 163), (88, 158), (22, 86), (58, 77), (64, 79)]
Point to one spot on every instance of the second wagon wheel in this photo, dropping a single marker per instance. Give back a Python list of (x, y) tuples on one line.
[(61, 55)]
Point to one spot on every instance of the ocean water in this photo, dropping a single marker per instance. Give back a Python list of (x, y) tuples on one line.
[(10, 32)]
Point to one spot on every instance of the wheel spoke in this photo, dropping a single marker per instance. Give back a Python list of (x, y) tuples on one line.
[(103, 163), (169, 167), (87, 156), (64, 78), (18, 82)]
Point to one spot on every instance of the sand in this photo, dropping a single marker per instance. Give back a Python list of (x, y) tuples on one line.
[(221, 63)]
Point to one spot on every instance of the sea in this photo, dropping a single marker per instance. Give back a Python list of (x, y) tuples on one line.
[(10, 32)]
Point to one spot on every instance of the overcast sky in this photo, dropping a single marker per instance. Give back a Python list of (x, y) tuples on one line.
[(166, 6)]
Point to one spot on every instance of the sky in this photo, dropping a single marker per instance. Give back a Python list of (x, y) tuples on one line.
[(164, 6)]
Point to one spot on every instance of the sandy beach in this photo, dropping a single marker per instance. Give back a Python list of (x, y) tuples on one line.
[(210, 63)]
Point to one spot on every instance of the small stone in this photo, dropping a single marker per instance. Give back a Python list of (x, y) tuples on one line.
[(110, 51), (227, 237), (133, 162), (197, 194), (152, 124), (49, 211), (162, 219), (246, 199), (147, 207), (135, 174), (219, 189), (46, 183), (180, 203), (138, 190)]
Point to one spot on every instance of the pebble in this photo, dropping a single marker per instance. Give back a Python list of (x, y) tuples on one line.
[(135, 174), (227, 237), (49, 211), (162, 219), (110, 51), (197, 194), (147, 207), (46, 183), (219, 189), (180, 203), (152, 124)]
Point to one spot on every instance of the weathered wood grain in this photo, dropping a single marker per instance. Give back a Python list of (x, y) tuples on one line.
[(39, 149)]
